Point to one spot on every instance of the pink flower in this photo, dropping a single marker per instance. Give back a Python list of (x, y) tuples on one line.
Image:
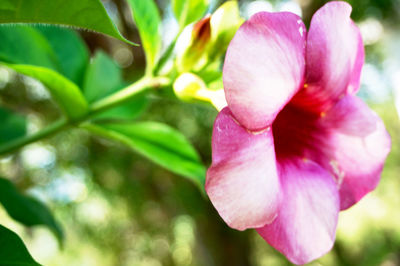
[(295, 145)]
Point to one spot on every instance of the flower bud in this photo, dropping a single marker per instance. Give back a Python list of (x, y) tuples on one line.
[(208, 38), (190, 87), (201, 33), (194, 46), (225, 21)]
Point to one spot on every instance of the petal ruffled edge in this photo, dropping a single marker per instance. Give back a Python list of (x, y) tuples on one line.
[(354, 145), (242, 182), (334, 58)]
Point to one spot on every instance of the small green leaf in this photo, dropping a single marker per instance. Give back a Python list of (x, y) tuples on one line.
[(147, 19), (64, 92), (70, 50), (27, 210), (13, 250), (104, 77), (12, 126), (22, 44), (159, 143), (53, 47), (86, 14), (187, 12)]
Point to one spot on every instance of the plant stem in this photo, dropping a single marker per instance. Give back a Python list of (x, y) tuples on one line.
[(48, 131), (125, 94), (97, 107)]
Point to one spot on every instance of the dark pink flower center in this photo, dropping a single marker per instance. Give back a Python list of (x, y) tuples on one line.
[(294, 130)]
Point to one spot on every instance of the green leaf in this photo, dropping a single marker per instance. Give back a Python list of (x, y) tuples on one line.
[(159, 143), (53, 47), (12, 126), (104, 77), (86, 14), (13, 250), (27, 210), (187, 12), (64, 92), (70, 50), (25, 45), (147, 19)]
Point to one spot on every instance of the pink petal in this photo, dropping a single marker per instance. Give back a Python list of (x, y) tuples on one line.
[(264, 67), (306, 223), (356, 145), (334, 58), (350, 141), (242, 182)]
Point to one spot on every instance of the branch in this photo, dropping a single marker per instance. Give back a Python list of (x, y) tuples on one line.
[(97, 107)]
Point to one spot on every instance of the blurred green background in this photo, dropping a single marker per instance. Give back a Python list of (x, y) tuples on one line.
[(117, 208)]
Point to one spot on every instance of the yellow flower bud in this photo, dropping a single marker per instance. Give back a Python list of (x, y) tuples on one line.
[(190, 87), (224, 23)]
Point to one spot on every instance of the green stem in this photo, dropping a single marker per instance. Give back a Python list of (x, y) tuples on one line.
[(46, 132), (125, 94), (97, 107)]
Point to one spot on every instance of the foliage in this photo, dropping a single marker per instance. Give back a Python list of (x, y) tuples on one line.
[(27, 210), (13, 125), (187, 12), (86, 14), (13, 251), (148, 22), (64, 92), (160, 143)]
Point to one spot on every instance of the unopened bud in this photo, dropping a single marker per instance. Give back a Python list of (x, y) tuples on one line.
[(190, 87), (193, 49), (201, 33), (224, 23)]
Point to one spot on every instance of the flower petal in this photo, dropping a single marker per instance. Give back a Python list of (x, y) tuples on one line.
[(350, 141), (355, 145), (306, 223), (242, 182), (334, 58), (264, 67)]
